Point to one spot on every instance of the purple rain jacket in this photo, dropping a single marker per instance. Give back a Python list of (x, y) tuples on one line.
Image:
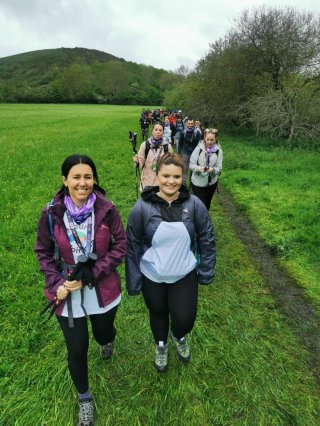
[(110, 244)]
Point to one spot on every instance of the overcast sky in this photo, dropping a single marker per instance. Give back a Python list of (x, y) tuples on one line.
[(164, 34)]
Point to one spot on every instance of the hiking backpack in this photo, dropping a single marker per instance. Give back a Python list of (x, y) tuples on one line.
[(148, 147)]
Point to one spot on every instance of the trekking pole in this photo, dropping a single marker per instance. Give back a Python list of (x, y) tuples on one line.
[(76, 274), (84, 273), (133, 140), (137, 180)]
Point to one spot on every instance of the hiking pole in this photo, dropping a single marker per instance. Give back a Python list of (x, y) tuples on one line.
[(84, 274), (133, 140), (87, 277), (76, 274)]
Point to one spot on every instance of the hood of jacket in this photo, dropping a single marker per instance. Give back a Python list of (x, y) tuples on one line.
[(150, 194)]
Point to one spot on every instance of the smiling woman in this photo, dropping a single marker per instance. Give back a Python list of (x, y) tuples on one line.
[(161, 263), (79, 183), (206, 166), (82, 221), (169, 178)]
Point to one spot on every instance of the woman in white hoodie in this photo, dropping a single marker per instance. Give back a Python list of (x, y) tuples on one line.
[(206, 167)]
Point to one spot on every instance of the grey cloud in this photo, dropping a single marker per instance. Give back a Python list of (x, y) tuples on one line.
[(167, 35)]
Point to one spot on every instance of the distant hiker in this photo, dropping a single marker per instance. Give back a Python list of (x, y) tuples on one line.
[(148, 154), (78, 221), (173, 117), (206, 167), (179, 129), (155, 115), (169, 130), (164, 228), (144, 125), (189, 139), (197, 125)]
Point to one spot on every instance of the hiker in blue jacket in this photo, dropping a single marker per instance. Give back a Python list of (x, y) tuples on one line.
[(164, 228)]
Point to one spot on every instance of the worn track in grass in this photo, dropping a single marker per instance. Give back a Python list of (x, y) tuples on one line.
[(290, 298)]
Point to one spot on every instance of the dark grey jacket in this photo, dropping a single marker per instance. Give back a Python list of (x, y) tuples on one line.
[(153, 209)]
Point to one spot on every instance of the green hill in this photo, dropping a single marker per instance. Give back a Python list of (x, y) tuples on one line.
[(79, 75)]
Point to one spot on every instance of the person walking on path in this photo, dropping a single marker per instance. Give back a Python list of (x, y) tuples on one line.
[(164, 228), (206, 167), (79, 223), (144, 122), (189, 139), (169, 130), (148, 154), (179, 129)]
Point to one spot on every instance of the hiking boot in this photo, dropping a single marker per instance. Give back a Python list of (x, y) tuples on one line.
[(86, 413), (161, 358), (106, 351), (182, 348)]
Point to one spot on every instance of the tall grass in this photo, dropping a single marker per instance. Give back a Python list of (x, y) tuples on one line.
[(247, 367)]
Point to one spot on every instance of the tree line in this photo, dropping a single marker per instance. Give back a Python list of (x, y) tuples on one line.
[(83, 76), (263, 74)]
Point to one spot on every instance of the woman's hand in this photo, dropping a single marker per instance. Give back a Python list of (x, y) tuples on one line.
[(68, 287), (73, 285), (136, 159), (62, 293)]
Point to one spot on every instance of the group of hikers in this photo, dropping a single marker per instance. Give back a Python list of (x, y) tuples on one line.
[(168, 247), (199, 148)]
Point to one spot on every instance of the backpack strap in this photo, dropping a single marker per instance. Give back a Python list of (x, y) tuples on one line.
[(199, 157), (50, 219), (146, 152), (56, 254), (145, 212), (148, 146)]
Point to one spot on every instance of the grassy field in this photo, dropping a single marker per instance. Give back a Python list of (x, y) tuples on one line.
[(247, 366), (279, 190)]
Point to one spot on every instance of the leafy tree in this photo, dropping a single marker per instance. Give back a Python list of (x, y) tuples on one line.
[(74, 84), (283, 48), (263, 73), (169, 80), (280, 42), (78, 75), (291, 113)]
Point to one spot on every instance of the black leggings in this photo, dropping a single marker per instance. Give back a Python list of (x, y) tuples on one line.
[(177, 302), (205, 193), (77, 341)]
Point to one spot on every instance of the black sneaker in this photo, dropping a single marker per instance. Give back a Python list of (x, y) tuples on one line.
[(86, 413), (106, 351), (161, 358)]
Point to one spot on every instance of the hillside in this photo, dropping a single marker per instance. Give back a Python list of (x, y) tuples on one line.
[(78, 75)]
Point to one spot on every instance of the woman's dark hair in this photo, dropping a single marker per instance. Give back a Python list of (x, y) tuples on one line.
[(75, 159), (169, 158), (158, 122)]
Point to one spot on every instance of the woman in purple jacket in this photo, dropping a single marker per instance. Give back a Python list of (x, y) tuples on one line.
[(82, 222)]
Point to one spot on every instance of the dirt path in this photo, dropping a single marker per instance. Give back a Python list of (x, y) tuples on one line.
[(290, 298)]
